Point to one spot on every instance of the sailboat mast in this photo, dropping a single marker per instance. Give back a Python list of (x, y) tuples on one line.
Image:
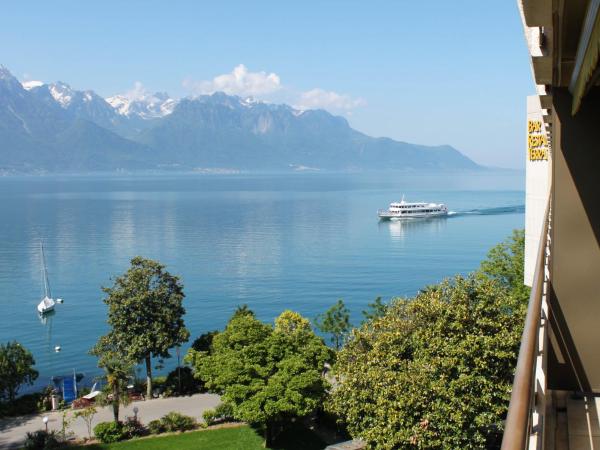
[(45, 273)]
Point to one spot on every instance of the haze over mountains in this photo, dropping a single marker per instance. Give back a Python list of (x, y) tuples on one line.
[(54, 128)]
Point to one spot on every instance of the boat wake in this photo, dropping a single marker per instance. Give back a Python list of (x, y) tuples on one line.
[(516, 209)]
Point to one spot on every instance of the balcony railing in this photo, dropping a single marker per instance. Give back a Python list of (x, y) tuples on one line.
[(523, 425)]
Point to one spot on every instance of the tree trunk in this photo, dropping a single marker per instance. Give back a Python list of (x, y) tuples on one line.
[(116, 403), (268, 435), (148, 378)]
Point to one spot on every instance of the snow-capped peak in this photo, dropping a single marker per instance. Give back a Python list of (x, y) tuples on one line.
[(28, 85), (140, 102), (118, 102), (249, 101), (168, 106), (62, 93)]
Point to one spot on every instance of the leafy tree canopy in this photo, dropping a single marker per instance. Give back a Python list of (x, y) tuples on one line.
[(336, 322), (145, 312), (203, 343), (434, 371), (243, 310), (16, 368), (376, 309), (291, 322), (267, 374), (505, 263)]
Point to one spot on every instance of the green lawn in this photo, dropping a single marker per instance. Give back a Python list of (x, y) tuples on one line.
[(239, 438), (225, 438)]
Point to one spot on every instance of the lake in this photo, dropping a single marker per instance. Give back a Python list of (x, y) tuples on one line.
[(297, 241)]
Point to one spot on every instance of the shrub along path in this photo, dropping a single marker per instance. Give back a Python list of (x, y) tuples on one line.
[(13, 430)]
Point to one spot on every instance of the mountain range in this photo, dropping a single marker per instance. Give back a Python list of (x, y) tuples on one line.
[(54, 128)]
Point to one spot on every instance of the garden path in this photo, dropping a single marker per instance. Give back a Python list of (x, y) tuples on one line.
[(13, 429)]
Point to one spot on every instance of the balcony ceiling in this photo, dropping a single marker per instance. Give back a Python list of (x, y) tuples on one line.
[(565, 27)]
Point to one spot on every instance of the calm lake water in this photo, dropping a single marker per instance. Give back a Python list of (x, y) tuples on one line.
[(273, 242)]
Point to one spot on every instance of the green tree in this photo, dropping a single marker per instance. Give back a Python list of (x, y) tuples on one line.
[(87, 415), (336, 322), (16, 368), (145, 313), (290, 322), (376, 309), (65, 424), (118, 369), (268, 375), (433, 372), (243, 310), (505, 263), (203, 343)]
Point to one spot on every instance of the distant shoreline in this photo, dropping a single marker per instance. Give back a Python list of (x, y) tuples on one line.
[(245, 172)]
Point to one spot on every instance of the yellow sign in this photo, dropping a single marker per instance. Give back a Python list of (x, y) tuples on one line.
[(537, 144), (534, 126), (538, 154)]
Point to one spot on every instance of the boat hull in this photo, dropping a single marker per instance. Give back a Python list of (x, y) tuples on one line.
[(395, 216), (45, 310), (46, 305)]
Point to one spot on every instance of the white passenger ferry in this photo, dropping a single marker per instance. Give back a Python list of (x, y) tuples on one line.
[(406, 210)]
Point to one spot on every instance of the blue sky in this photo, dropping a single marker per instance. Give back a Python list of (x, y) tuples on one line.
[(438, 72)]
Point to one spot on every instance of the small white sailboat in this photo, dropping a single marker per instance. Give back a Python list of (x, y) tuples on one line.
[(47, 304)]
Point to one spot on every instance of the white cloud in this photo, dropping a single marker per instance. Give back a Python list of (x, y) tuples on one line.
[(238, 82), (329, 100), (268, 87), (138, 92)]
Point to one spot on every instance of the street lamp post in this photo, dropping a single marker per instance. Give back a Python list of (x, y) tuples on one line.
[(45, 420), (135, 412)]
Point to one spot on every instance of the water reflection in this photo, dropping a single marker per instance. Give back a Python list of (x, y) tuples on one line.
[(400, 229), (269, 241), (46, 319), (46, 357)]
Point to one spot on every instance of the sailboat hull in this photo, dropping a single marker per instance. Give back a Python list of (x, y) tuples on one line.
[(46, 305)]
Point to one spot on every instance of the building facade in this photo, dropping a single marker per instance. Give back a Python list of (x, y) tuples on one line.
[(556, 392)]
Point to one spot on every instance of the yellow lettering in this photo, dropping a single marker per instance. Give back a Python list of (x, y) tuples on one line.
[(534, 126), (538, 154), (536, 141)]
